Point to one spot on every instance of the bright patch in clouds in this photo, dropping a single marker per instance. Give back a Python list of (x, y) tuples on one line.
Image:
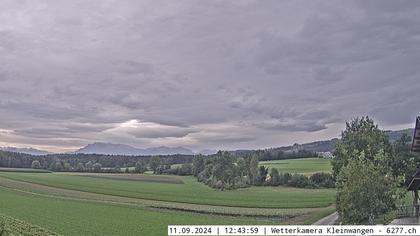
[(149, 130)]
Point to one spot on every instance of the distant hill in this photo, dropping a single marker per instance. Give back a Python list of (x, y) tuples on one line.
[(317, 146), (327, 145), (207, 152), (31, 151), (122, 149), (395, 135)]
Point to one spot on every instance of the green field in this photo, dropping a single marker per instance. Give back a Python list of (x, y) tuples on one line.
[(303, 166), (133, 204), (189, 192), (19, 227), (71, 217)]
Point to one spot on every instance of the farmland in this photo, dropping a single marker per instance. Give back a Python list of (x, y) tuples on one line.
[(144, 204), (189, 192), (71, 217), (302, 166)]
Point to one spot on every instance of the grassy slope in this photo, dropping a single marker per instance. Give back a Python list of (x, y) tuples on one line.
[(307, 165), (85, 218), (190, 192)]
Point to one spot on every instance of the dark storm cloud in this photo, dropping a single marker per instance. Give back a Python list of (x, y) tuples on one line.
[(203, 74)]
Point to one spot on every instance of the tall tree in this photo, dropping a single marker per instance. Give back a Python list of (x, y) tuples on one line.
[(402, 161), (198, 164), (365, 186), (365, 191), (154, 163), (275, 177), (242, 170), (360, 135), (253, 170)]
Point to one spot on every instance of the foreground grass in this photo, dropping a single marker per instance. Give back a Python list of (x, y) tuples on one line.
[(189, 192), (302, 166), (13, 227), (71, 217)]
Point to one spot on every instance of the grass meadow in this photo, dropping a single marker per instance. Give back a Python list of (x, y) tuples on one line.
[(69, 217), (301, 166), (134, 204), (189, 192)]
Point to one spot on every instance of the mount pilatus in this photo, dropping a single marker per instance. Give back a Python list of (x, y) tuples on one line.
[(29, 150), (122, 149)]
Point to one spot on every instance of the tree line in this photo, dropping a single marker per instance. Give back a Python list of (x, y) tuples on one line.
[(272, 154), (119, 163), (89, 162)]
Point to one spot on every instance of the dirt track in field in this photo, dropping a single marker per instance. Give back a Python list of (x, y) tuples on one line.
[(47, 191)]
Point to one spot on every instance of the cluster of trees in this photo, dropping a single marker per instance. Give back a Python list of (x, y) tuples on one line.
[(227, 171), (57, 165), (370, 171), (317, 180), (276, 178)]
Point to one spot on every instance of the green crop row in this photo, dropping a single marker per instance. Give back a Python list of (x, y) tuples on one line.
[(11, 227)]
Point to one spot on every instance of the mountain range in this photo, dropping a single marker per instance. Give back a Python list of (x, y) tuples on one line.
[(122, 149), (30, 150)]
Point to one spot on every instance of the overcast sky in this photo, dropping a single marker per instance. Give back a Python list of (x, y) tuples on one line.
[(203, 74)]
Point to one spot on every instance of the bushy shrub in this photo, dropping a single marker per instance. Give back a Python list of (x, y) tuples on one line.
[(80, 167), (322, 180), (186, 169), (97, 167), (36, 165), (56, 166), (299, 181), (140, 167), (275, 177), (161, 169)]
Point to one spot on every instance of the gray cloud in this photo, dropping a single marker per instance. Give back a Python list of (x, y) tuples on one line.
[(203, 74)]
